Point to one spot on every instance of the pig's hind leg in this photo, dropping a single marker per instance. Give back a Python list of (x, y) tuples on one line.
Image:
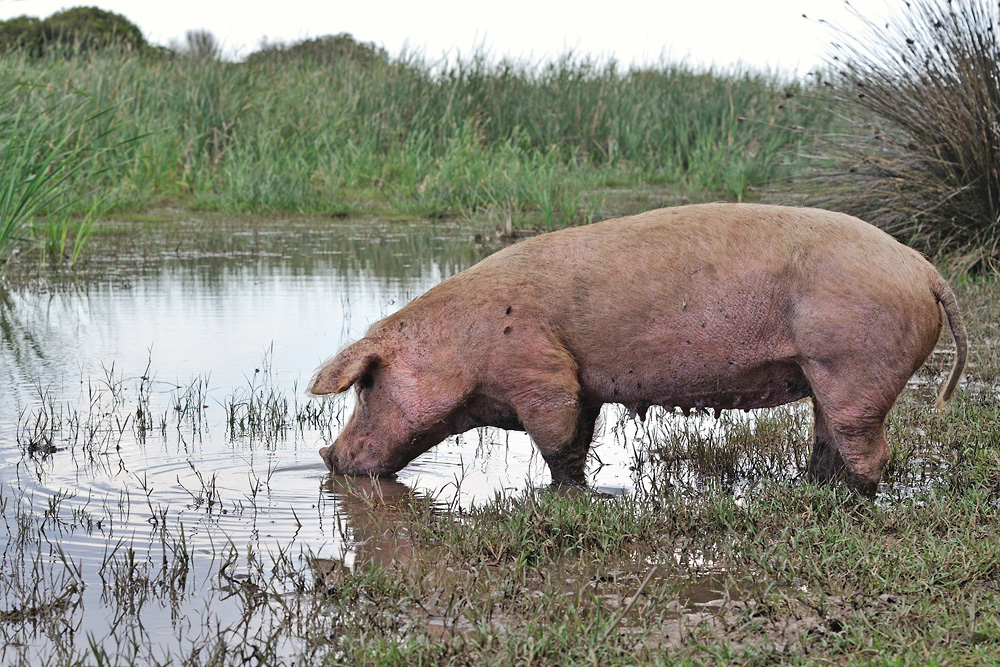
[(849, 435), (825, 463)]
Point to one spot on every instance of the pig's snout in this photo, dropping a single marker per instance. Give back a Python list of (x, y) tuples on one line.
[(334, 464), (324, 454), (348, 460)]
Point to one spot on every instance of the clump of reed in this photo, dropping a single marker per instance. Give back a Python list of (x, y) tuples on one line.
[(920, 157), (44, 146)]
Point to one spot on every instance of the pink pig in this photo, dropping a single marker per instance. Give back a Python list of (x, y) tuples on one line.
[(711, 306)]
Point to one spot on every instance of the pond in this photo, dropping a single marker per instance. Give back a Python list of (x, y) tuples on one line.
[(154, 407)]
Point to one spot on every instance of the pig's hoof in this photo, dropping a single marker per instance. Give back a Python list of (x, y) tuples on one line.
[(863, 487), (568, 485)]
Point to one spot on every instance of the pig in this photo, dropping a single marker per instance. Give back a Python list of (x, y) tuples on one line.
[(712, 306)]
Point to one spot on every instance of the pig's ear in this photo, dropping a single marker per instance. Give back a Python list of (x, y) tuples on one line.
[(345, 369)]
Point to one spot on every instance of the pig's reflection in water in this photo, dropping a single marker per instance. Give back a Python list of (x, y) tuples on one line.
[(373, 512)]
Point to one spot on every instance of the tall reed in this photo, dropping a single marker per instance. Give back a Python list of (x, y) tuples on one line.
[(43, 146), (419, 139)]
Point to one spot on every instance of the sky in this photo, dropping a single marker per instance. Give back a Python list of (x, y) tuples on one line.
[(764, 34)]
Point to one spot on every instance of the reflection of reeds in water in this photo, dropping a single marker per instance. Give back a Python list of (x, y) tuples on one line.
[(217, 252), (21, 343)]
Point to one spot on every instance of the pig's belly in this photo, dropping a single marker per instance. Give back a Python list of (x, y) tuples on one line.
[(763, 386)]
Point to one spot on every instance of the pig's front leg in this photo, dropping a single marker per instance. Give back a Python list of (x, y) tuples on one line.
[(563, 431), (567, 463), (545, 393)]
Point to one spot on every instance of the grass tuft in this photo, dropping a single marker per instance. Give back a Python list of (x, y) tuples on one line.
[(920, 153)]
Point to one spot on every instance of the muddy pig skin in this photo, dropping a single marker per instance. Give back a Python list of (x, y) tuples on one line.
[(714, 306)]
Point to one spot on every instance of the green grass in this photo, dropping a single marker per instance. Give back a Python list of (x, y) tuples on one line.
[(524, 141), (43, 149), (905, 135)]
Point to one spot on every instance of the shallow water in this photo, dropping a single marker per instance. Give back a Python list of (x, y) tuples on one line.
[(129, 389)]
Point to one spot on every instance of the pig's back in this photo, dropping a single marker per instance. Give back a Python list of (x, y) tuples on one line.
[(678, 301)]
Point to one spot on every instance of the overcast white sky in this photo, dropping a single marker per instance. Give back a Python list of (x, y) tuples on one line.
[(769, 33)]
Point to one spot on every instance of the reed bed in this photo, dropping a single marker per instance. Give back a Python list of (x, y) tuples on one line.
[(45, 147), (408, 137)]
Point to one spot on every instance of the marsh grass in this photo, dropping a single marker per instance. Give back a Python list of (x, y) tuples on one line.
[(737, 450), (258, 410), (413, 138), (64, 238), (43, 147)]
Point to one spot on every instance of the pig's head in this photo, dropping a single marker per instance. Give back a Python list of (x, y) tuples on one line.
[(390, 425)]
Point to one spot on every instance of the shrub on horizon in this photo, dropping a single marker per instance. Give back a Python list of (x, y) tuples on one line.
[(22, 33), (79, 29), (324, 50)]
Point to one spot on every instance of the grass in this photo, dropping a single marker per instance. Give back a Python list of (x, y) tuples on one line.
[(525, 142), (43, 148), (723, 552)]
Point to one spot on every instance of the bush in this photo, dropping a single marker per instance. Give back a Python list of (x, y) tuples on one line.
[(22, 32), (201, 44), (90, 28), (79, 28), (922, 159), (325, 50)]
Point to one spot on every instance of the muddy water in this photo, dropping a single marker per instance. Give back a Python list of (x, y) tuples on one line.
[(138, 414)]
